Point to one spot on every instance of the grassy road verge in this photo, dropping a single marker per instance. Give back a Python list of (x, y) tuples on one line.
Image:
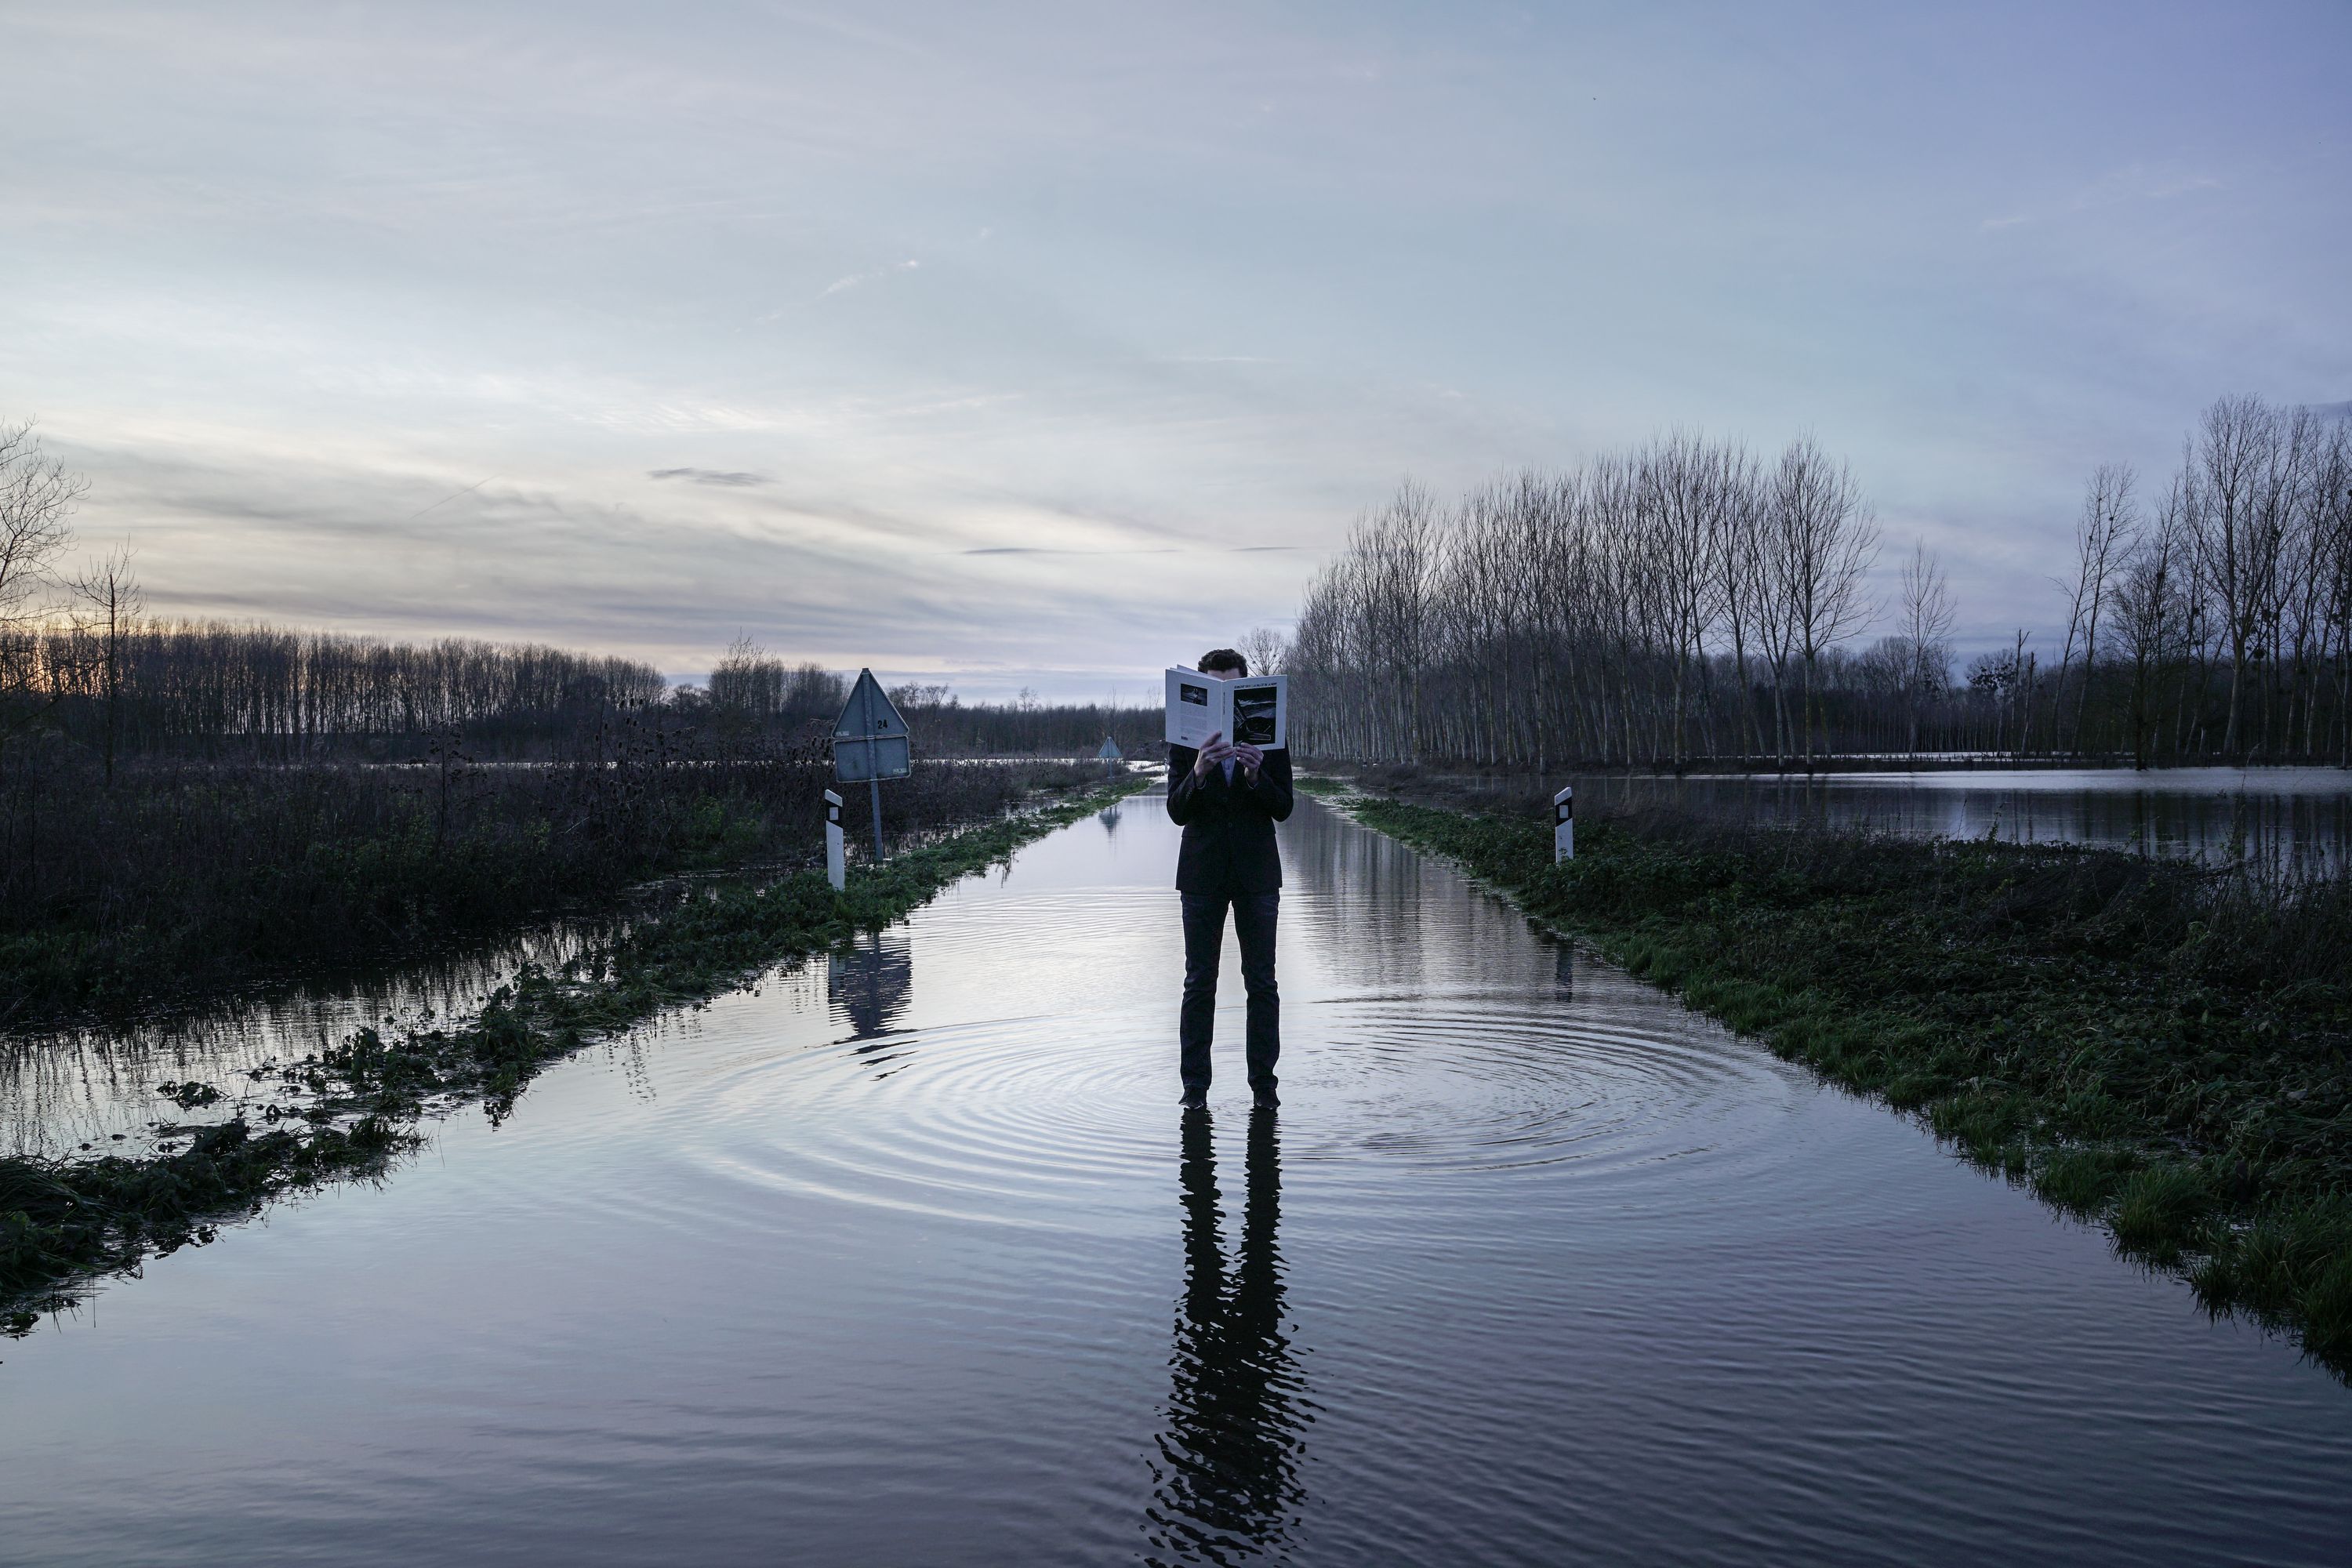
[(350, 1110), (2160, 1048), (178, 884)]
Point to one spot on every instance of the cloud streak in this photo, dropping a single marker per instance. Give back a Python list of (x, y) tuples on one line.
[(733, 477)]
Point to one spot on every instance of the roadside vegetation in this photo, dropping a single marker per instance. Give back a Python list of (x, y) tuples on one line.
[(352, 1110), (2158, 1046), (185, 878)]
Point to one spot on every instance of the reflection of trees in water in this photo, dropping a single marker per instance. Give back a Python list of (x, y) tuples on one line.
[(1226, 1480), (2289, 829), (1380, 894), (870, 981), (62, 1088)]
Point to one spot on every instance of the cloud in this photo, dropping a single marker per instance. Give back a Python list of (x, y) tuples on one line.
[(709, 475), (1043, 549), (2128, 185), (855, 278)]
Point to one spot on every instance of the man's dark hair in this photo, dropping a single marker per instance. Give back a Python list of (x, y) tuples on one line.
[(1221, 658)]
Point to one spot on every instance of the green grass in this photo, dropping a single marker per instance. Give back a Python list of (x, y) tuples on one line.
[(356, 1106), (2162, 1049)]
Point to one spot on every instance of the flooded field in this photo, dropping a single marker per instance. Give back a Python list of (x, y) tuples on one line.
[(907, 1255), (2286, 816)]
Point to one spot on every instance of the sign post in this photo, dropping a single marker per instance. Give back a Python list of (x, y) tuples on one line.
[(835, 858), (1563, 826), (870, 744)]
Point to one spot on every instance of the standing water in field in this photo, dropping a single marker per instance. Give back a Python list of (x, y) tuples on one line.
[(2291, 818), (907, 1255)]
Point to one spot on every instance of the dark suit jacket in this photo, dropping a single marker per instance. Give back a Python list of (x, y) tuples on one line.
[(1228, 828)]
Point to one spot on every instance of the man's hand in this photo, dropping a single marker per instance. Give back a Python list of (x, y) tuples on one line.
[(1249, 757), (1212, 754)]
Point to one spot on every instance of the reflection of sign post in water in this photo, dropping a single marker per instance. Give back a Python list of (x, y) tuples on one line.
[(836, 869), (870, 744), (1563, 826)]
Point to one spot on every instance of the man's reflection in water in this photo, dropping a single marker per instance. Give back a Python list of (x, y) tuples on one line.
[(1227, 1476)]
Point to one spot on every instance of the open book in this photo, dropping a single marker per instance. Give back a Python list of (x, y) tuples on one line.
[(1253, 711)]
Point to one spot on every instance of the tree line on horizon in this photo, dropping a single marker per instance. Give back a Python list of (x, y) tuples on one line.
[(1680, 600), (1690, 599), (85, 672)]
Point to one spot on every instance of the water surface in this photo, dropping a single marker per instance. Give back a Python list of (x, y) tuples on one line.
[(907, 1255), (2298, 817)]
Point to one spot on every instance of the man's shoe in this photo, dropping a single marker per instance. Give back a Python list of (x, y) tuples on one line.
[(1264, 1100), (1195, 1099)]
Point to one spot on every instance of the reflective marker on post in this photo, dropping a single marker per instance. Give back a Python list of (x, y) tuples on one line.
[(835, 863), (1563, 826)]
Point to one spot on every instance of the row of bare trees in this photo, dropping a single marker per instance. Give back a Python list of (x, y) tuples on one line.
[(1685, 598), (116, 681), (2217, 620), (1690, 598)]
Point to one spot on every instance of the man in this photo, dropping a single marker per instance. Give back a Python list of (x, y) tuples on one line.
[(1228, 797)]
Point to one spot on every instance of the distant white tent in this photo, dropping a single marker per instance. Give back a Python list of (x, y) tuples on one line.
[(1110, 752)]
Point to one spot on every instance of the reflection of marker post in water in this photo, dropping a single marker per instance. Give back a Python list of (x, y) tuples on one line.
[(1563, 826), (835, 859)]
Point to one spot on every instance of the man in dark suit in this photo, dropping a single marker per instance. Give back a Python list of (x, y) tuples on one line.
[(1228, 797)]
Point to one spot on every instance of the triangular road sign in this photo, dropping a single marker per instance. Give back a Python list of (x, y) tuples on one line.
[(869, 714), (870, 740)]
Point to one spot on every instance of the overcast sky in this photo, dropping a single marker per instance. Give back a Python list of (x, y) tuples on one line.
[(1046, 345)]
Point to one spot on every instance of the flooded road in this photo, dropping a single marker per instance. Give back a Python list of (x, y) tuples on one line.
[(908, 1256)]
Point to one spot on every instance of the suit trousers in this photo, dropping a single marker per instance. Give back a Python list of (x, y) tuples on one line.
[(1255, 915)]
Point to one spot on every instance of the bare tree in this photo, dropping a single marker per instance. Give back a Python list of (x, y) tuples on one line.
[(1926, 633), (1824, 540), (1685, 489), (1264, 649), (2103, 533), (2152, 612), (1739, 570), (2227, 464), (38, 496), (108, 604)]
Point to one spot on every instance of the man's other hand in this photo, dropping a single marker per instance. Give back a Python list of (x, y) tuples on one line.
[(1213, 753), (1249, 757)]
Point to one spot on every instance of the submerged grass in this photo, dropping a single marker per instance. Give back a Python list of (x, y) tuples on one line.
[(2154, 1045), (358, 1105)]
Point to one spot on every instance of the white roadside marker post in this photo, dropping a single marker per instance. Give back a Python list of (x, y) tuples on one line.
[(1563, 826), (835, 862)]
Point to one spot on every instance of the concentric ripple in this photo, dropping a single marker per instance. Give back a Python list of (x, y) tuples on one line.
[(1054, 1118)]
